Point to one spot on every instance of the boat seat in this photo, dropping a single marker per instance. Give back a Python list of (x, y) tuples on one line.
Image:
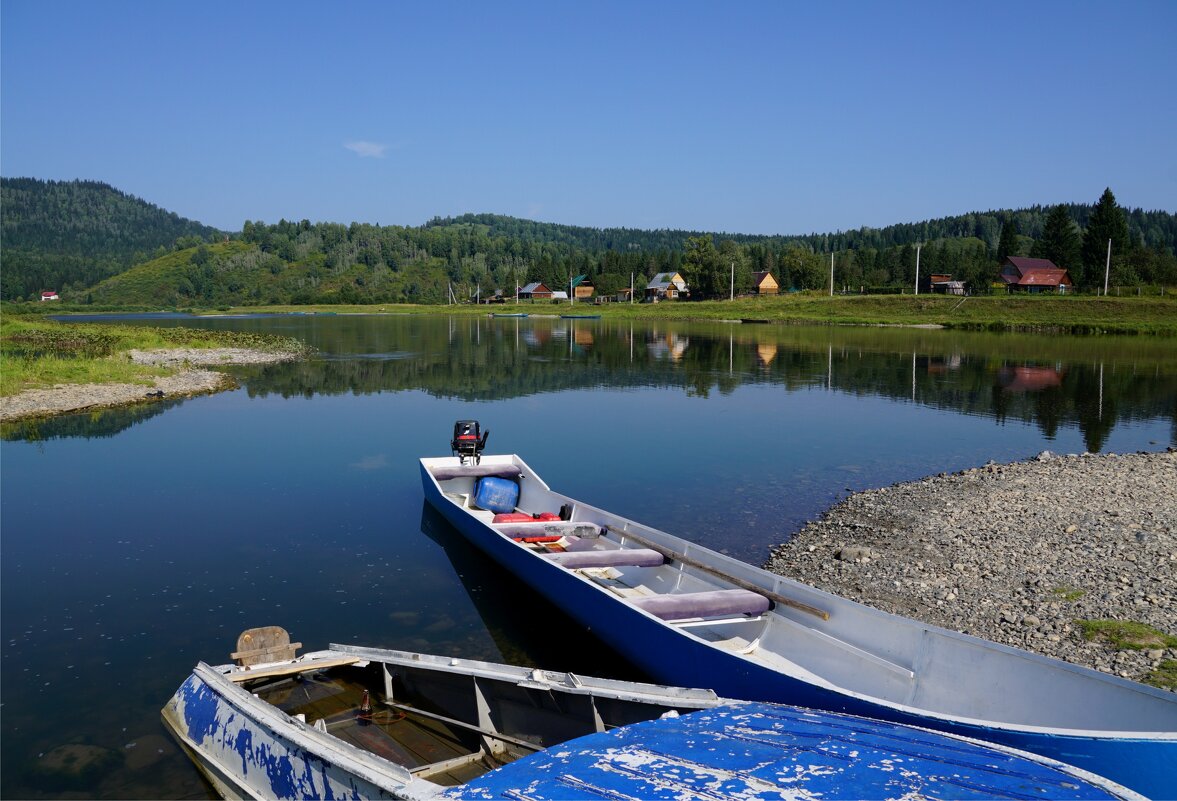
[(264, 644), (617, 557), (714, 603)]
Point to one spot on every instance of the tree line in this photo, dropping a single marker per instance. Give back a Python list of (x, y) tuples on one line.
[(80, 236)]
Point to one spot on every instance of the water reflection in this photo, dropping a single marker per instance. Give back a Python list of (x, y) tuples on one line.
[(1052, 382)]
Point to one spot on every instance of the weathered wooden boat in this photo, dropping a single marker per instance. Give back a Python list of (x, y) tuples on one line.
[(508, 314), (690, 616), (369, 723)]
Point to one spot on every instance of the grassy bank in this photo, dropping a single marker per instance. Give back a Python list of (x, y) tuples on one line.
[(1073, 314), (36, 353)]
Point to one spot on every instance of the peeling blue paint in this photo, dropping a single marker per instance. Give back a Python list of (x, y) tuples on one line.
[(762, 751), (200, 709)]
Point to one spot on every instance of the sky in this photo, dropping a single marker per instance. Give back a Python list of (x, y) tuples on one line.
[(758, 117)]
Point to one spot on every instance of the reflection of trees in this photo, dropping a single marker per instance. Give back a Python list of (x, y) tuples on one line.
[(101, 423), (1043, 381)]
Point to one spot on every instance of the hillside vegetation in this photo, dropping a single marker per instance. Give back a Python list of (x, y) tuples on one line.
[(473, 256), (67, 235)]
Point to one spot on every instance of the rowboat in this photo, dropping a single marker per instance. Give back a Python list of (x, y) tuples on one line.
[(361, 722), (508, 314), (690, 616)]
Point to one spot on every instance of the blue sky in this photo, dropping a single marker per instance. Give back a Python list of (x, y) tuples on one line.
[(752, 117)]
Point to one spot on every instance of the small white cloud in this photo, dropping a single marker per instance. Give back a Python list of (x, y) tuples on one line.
[(367, 150)]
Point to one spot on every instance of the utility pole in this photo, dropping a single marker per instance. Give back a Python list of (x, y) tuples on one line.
[(1107, 269), (917, 269), (831, 273), (732, 291), (631, 289)]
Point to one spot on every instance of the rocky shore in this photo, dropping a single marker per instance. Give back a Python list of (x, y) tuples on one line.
[(189, 381), (1014, 553)]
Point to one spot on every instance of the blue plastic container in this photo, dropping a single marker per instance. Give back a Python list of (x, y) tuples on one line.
[(496, 494)]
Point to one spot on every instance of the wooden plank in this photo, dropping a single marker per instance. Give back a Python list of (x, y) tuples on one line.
[(292, 668), (675, 556)]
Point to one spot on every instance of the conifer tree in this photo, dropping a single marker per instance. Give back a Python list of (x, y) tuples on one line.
[(1008, 245), (1060, 241), (1107, 222)]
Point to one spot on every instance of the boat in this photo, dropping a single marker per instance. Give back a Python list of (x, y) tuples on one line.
[(360, 722), (580, 317), (508, 314), (690, 616)]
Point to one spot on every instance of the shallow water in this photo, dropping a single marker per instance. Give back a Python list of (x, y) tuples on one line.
[(136, 542)]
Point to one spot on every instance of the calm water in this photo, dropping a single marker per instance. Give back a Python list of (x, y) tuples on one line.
[(136, 543)]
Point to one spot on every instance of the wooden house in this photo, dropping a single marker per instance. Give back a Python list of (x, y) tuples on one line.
[(667, 286), (582, 287), (624, 294), (1019, 273), (535, 291), (764, 284)]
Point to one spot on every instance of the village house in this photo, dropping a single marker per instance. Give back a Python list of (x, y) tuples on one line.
[(943, 283), (1019, 273), (535, 291), (765, 284), (49, 294), (582, 287), (666, 286)]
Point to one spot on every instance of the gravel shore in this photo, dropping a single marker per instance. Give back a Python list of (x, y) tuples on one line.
[(189, 381), (1014, 553)]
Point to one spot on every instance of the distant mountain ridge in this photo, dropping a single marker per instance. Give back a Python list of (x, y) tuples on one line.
[(97, 244), (58, 234), (1149, 227)]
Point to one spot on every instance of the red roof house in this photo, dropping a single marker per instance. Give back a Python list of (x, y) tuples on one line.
[(1034, 275), (49, 294)]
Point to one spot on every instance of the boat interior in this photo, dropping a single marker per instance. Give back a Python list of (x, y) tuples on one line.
[(789, 626), (446, 727)]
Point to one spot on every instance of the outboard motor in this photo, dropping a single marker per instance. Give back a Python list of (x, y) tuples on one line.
[(467, 442)]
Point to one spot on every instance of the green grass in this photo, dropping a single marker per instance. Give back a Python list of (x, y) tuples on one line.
[(1069, 593), (36, 353), (1163, 676), (1126, 634), (1076, 314)]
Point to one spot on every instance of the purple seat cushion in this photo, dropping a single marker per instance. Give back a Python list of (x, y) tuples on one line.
[(617, 557), (715, 603)]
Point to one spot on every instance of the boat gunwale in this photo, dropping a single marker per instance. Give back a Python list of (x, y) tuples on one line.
[(799, 673)]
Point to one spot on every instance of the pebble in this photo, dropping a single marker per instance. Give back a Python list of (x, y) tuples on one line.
[(1014, 553)]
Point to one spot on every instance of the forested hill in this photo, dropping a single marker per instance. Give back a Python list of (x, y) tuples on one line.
[(62, 234), (1149, 228), (95, 244)]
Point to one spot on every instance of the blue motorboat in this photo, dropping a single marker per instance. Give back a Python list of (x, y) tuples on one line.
[(691, 616)]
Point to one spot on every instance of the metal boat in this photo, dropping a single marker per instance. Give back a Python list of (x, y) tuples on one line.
[(352, 722), (690, 616)]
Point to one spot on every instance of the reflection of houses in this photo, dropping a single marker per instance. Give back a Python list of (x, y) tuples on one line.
[(582, 336), (1034, 275), (766, 352), (1028, 379), (535, 291), (764, 284), (670, 346), (582, 287), (666, 286)]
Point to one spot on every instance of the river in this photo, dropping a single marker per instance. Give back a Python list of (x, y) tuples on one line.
[(137, 542)]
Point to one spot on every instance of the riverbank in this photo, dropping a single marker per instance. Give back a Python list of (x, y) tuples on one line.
[(1046, 313), (187, 382), (1023, 554), (51, 368)]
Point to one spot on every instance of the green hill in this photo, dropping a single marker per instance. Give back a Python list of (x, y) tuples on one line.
[(66, 235), (98, 245)]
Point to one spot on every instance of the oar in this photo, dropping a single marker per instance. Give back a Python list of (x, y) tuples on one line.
[(739, 582)]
